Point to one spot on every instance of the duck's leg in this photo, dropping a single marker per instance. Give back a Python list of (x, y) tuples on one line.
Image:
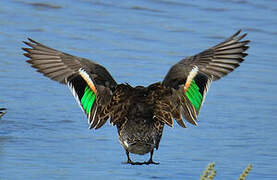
[(129, 161), (150, 161)]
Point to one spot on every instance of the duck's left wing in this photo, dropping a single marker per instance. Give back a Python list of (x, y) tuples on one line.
[(191, 77)]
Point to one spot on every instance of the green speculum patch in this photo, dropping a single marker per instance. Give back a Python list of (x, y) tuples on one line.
[(194, 95), (88, 100)]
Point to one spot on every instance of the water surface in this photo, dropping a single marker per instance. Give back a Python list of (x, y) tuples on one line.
[(44, 135)]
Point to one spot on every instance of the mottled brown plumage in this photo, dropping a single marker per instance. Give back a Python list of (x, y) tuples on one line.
[(137, 113), (140, 113)]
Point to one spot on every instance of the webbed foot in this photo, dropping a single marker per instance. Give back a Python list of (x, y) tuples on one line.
[(150, 161), (141, 163)]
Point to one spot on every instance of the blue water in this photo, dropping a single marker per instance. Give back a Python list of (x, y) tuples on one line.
[(45, 135)]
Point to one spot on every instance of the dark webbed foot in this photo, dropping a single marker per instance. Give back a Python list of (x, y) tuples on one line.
[(142, 163), (150, 161), (135, 163)]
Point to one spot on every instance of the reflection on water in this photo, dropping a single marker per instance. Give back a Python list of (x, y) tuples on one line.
[(44, 135)]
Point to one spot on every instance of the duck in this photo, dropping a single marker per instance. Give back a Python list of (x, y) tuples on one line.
[(3, 111), (140, 113)]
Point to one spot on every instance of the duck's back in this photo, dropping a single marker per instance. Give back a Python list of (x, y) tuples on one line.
[(133, 112)]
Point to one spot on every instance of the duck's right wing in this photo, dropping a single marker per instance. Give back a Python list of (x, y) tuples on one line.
[(90, 83)]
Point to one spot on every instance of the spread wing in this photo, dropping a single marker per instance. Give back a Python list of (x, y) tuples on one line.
[(192, 76), (90, 83)]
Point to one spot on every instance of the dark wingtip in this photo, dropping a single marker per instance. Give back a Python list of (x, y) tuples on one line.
[(31, 40), (26, 49), (237, 33), (25, 42), (242, 36), (29, 61), (245, 48), (244, 54), (29, 44), (246, 41), (27, 55)]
